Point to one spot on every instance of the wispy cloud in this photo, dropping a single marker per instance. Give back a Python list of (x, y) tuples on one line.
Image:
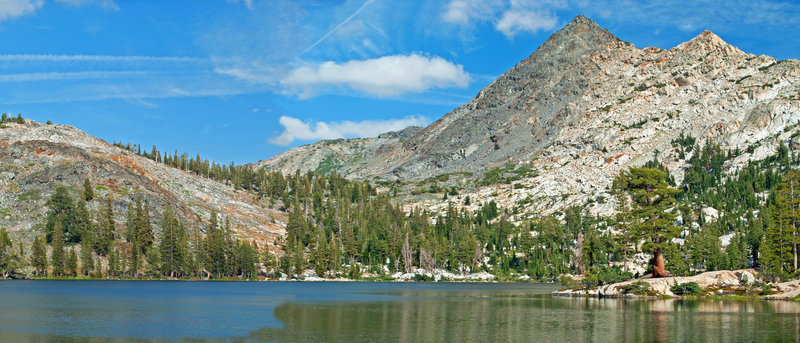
[(97, 58), (108, 4), (15, 8), (48, 78), (337, 27), (463, 12), (51, 76), (383, 76), (296, 129)]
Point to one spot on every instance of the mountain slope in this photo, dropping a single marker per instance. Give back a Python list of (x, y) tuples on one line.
[(37, 157), (582, 107)]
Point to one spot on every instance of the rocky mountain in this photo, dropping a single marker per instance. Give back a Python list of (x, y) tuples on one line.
[(584, 106), (35, 158)]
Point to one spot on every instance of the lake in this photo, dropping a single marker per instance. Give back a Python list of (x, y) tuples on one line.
[(101, 311)]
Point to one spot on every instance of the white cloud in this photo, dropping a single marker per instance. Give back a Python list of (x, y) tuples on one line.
[(515, 21), (463, 12), (107, 4), (509, 17), (296, 129), (16, 8), (385, 76)]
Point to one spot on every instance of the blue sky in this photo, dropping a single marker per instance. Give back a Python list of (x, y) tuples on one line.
[(244, 80)]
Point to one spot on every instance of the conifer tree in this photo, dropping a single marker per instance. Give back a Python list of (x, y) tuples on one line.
[(144, 234), (9, 260), (57, 258), (83, 221), (114, 263), (650, 220), (134, 260), (171, 254), (131, 224), (72, 262), (88, 192), (87, 258), (779, 259), (105, 232), (39, 256), (61, 209)]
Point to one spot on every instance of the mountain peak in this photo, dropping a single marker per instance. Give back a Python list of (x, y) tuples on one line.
[(583, 29), (708, 38), (706, 42), (581, 20)]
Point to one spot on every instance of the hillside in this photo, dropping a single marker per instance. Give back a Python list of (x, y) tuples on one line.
[(36, 158), (584, 106)]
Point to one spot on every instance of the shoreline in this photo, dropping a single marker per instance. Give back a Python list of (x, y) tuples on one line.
[(742, 284)]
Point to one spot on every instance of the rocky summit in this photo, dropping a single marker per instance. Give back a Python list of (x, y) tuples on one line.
[(36, 158), (584, 106)]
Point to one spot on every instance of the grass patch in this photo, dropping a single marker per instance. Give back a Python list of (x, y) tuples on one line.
[(33, 194), (327, 165), (507, 175)]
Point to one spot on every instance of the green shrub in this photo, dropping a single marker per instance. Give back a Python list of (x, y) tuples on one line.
[(766, 289), (422, 278), (566, 281), (686, 288), (598, 276), (638, 288)]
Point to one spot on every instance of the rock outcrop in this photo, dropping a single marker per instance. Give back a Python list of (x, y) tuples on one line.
[(35, 158), (720, 280)]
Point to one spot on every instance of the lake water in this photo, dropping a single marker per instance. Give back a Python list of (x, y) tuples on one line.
[(101, 311)]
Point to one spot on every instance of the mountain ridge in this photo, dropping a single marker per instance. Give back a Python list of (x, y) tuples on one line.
[(588, 100), (39, 157)]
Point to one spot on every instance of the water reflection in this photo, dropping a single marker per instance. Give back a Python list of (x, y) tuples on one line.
[(295, 312), (536, 318)]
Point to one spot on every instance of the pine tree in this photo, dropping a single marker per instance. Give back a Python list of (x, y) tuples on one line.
[(72, 262), (131, 224), (83, 221), (780, 256), (105, 232), (113, 263), (39, 256), (650, 220), (10, 261), (134, 260), (61, 209), (87, 258), (144, 234), (171, 254), (88, 192), (57, 259)]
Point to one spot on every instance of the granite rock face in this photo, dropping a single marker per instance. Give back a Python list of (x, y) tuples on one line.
[(580, 109), (36, 158)]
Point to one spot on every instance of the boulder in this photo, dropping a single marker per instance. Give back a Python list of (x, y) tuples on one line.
[(747, 278)]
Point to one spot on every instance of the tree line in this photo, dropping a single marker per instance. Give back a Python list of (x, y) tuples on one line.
[(85, 243)]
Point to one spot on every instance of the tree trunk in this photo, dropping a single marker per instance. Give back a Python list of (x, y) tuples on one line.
[(579, 255), (659, 269)]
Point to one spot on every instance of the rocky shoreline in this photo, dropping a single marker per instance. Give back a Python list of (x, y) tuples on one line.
[(743, 282)]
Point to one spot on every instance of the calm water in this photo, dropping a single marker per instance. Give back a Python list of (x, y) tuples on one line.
[(79, 311)]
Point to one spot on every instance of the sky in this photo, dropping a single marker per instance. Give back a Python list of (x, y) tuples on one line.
[(245, 80)]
